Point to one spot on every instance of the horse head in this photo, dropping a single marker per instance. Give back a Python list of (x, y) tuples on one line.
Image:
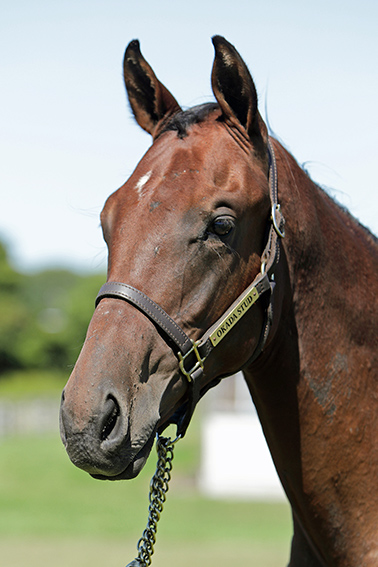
[(187, 230)]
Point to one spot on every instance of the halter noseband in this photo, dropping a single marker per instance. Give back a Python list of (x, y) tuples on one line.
[(192, 354)]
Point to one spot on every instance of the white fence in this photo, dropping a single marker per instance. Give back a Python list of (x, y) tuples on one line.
[(29, 416)]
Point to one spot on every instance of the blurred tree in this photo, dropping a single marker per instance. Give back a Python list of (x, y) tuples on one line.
[(12, 312), (43, 316)]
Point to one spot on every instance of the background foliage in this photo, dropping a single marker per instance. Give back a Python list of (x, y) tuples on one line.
[(44, 316)]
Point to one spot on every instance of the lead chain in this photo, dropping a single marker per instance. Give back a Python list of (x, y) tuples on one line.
[(158, 489)]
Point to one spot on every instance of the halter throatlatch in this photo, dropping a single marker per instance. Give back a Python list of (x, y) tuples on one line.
[(192, 354)]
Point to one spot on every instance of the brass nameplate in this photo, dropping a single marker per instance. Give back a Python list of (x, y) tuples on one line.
[(232, 318)]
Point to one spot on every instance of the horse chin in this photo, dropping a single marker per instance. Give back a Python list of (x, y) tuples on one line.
[(133, 469)]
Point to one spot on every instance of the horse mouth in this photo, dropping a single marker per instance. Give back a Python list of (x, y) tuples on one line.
[(105, 448), (133, 468)]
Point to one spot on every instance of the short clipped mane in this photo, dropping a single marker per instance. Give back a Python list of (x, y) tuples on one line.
[(181, 121)]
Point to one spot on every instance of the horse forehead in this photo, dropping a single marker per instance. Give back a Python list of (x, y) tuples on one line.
[(207, 156), (196, 152), (182, 171)]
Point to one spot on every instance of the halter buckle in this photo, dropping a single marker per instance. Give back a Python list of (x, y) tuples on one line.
[(276, 208), (198, 364)]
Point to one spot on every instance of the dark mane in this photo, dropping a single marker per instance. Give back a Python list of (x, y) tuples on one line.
[(181, 121)]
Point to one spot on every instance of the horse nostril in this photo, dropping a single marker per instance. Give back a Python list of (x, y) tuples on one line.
[(112, 413), (61, 422)]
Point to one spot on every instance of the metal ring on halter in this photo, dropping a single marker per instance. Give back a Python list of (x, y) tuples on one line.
[(276, 208), (179, 436)]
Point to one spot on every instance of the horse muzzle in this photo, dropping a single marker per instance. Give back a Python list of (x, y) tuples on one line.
[(102, 445)]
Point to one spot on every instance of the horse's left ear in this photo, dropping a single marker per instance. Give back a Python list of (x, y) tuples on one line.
[(235, 92), (150, 101)]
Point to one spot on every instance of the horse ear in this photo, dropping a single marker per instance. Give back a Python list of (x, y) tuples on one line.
[(150, 101), (235, 91)]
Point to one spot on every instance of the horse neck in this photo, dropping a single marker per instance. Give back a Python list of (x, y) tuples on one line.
[(324, 319), (323, 239), (328, 252), (314, 372)]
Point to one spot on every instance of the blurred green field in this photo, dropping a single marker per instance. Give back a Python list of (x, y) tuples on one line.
[(53, 514)]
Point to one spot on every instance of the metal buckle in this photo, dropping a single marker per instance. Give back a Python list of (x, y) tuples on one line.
[(197, 365), (276, 209)]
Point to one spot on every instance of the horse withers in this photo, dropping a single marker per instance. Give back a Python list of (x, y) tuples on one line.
[(225, 256)]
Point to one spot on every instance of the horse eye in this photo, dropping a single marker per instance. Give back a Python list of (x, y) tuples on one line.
[(222, 226)]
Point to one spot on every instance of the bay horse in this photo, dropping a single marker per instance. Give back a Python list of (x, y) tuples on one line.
[(225, 256)]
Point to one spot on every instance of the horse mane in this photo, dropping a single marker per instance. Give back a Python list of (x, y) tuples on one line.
[(351, 219), (181, 121)]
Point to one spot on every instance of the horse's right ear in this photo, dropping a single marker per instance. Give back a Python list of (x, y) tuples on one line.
[(150, 101)]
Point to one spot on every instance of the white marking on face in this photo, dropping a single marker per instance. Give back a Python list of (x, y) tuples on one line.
[(142, 182)]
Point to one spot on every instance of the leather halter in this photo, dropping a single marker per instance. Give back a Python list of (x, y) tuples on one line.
[(192, 354)]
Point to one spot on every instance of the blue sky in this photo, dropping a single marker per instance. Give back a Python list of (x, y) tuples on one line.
[(67, 137)]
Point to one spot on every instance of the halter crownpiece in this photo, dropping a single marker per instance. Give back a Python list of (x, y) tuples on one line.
[(192, 354)]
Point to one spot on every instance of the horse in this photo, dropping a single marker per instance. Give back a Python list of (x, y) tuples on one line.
[(223, 255)]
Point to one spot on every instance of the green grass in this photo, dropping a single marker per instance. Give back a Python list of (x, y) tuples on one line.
[(33, 383), (108, 553), (54, 514)]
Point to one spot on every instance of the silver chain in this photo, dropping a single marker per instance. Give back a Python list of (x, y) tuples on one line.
[(158, 489)]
